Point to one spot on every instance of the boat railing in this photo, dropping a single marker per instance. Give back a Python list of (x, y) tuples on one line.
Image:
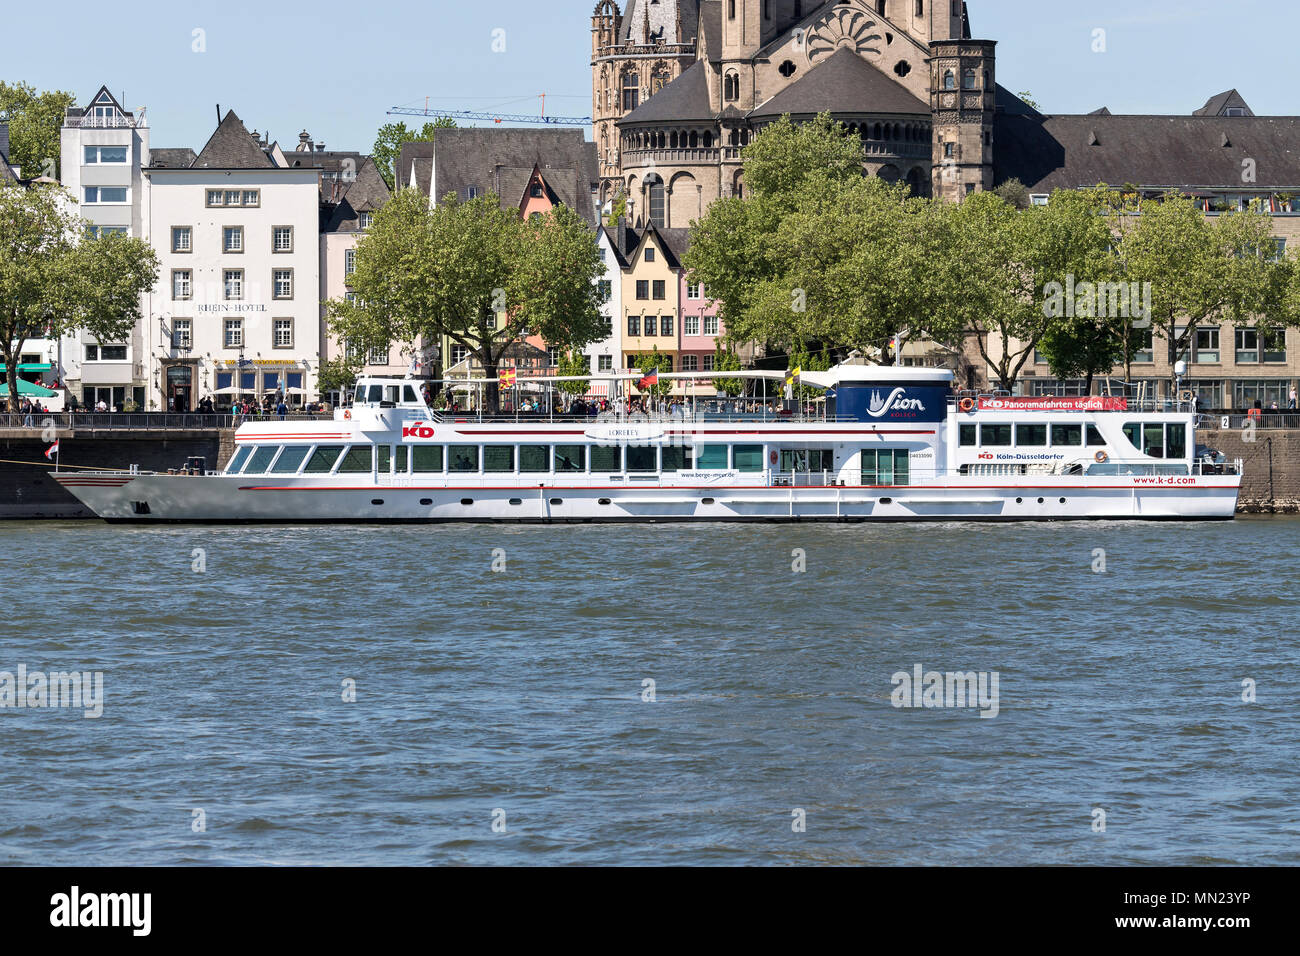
[(94, 421), (548, 418)]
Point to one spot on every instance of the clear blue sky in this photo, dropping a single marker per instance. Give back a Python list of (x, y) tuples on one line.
[(335, 68)]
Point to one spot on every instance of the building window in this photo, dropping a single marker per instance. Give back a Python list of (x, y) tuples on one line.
[(1274, 344), (105, 353), (94, 232), (232, 239), (282, 283), (660, 289), (707, 364), (182, 334), (232, 197), (690, 325), (731, 9), (181, 285), (693, 290), (364, 219), (949, 150), (349, 261), (1247, 345), (666, 325), (1143, 341), (181, 239), (473, 192), (1207, 345), (651, 325), (710, 325), (731, 87), (252, 197), (215, 198), (605, 363), (631, 91), (1268, 392), (690, 363), (634, 325), (233, 280), (377, 356), (949, 80), (643, 288), (98, 155), (282, 239), (606, 287), (649, 255), (536, 191), (459, 354), (920, 8), (553, 357), (234, 333), (105, 195)]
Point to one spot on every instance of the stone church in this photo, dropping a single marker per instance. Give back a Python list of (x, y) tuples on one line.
[(681, 86)]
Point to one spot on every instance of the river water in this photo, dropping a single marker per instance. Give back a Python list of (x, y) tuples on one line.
[(507, 716)]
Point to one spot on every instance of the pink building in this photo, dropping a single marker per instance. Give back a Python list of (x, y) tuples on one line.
[(699, 326)]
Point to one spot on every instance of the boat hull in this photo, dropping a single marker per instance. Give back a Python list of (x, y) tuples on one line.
[(171, 498)]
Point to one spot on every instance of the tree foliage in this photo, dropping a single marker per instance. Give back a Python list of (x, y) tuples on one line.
[(35, 119), (391, 136), (476, 273), (55, 280), (574, 362)]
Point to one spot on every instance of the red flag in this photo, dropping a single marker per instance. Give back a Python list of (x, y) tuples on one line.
[(52, 451), (649, 378), (507, 376)]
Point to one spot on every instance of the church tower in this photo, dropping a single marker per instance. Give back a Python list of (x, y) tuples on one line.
[(963, 94)]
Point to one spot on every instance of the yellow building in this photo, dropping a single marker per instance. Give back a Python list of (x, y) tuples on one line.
[(651, 292)]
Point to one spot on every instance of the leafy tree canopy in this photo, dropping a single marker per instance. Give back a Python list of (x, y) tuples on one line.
[(35, 119), (391, 136)]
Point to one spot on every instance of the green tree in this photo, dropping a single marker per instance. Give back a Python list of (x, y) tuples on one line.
[(476, 273), (35, 119), (726, 360), (574, 362), (1014, 192), (391, 136), (55, 280), (339, 373), (1086, 347), (1029, 100), (617, 210)]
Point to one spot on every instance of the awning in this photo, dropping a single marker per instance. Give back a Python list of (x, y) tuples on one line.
[(27, 367), (27, 388)]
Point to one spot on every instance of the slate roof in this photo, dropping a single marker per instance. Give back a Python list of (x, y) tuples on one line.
[(342, 201), (502, 160), (685, 98), (711, 28), (662, 17), (844, 83), (172, 157), (232, 146), (1051, 152), (1216, 105)]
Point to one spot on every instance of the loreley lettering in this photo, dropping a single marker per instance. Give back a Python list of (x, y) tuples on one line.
[(103, 909)]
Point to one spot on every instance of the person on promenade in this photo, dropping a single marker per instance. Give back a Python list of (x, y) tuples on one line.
[(282, 410), (27, 415), (1291, 404)]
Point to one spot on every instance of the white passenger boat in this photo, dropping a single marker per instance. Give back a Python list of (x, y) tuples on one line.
[(887, 444)]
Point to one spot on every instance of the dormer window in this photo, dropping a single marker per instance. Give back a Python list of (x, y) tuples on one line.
[(364, 219)]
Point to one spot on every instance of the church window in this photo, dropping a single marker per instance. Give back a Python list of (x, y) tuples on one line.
[(731, 9), (708, 140), (786, 69), (968, 80), (695, 139), (902, 68), (920, 8), (731, 86), (880, 7), (657, 204), (949, 81), (631, 91)]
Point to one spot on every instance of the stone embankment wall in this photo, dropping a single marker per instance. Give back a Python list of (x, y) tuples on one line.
[(1271, 484), (27, 491)]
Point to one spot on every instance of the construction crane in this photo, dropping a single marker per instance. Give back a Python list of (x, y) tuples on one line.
[(542, 119)]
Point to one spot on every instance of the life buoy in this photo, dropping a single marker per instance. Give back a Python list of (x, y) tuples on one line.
[(967, 404), (347, 413), (773, 458), (1101, 457)]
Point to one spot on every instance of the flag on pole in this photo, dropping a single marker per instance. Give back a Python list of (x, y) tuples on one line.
[(52, 450), (649, 378), (507, 377), (792, 376)]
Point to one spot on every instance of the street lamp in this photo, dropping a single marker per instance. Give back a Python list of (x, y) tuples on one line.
[(1180, 369)]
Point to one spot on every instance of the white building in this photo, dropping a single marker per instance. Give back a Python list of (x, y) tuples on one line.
[(103, 149), (604, 356), (236, 312)]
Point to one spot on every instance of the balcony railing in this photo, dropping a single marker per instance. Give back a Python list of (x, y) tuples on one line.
[(105, 122)]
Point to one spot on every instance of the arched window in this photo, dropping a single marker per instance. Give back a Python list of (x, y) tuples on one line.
[(879, 132), (920, 8), (949, 81), (968, 80), (695, 139), (631, 91), (731, 86), (707, 142), (659, 79), (880, 7), (657, 204), (672, 140)]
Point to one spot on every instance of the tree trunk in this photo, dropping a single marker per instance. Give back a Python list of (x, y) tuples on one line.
[(491, 390)]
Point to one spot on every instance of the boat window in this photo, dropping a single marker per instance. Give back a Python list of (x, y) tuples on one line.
[(427, 458), (1133, 432), (570, 458), (237, 462), (403, 456), (261, 458), (383, 458), (391, 393), (1031, 436), (642, 458), (1067, 434), (1175, 441), (606, 458), (885, 466), (995, 435), (747, 458), (968, 435), (374, 394), (498, 458), (408, 395), (462, 457), (807, 460), (534, 458), (289, 460), (711, 457), (322, 459), (678, 458), (1095, 436), (357, 461), (1153, 440)]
